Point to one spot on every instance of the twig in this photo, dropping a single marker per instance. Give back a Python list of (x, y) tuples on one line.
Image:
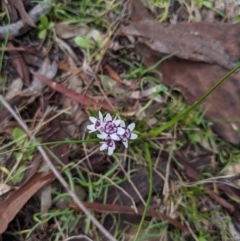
[(56, 172), (20, 27)]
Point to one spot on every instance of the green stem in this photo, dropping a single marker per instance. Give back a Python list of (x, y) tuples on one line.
[(159, 129)]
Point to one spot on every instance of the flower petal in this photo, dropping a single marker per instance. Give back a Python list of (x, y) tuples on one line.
[(102, 135), (91, 127), (108, 117), (133, 136), (110, 150), (117, 122), (103, 146), (100, 116), (92, 119), (131, 126), (122, 124), (115, 137), (125, 142), (120, 131)]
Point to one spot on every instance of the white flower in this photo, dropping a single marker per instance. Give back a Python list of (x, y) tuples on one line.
[(109, 144), (110, 128), (97, 123), (110, 131), (128, 135)]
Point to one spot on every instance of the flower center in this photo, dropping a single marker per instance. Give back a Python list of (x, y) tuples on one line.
[(97, 124), (109, 142), (110, 128)]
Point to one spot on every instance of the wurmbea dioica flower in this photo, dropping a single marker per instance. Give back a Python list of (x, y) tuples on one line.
[(128, 135), (110, 131), (97, 123)]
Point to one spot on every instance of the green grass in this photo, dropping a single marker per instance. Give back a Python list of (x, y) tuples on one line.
[(177, 125)]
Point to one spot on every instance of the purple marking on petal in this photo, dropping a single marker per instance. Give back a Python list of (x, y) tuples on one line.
[(110, 128), (127, 133), (98, 124), (109, 142)]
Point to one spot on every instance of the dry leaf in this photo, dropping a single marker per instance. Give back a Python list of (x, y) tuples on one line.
[(18, 4), (192, 77), (20, 65), (67, 30), (14, 89), (47, 69), (81, 99)]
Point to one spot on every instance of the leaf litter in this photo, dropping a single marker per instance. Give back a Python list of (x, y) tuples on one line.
[(78, 83)]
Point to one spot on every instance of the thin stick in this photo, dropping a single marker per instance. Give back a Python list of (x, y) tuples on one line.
[(56, 172)]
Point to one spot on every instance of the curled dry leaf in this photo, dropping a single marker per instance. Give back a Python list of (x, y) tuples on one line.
[(47, 69), (46, 203), (66, 30), (233, 171), (148, 93), (67, 50), (14, 89), (233, 230)]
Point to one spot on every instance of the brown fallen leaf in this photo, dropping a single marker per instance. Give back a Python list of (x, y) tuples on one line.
[(113, 74), (81, 99), (18, 4), (192, 77), (20, 65), (12, 11), (13, 204), (205, 42)]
